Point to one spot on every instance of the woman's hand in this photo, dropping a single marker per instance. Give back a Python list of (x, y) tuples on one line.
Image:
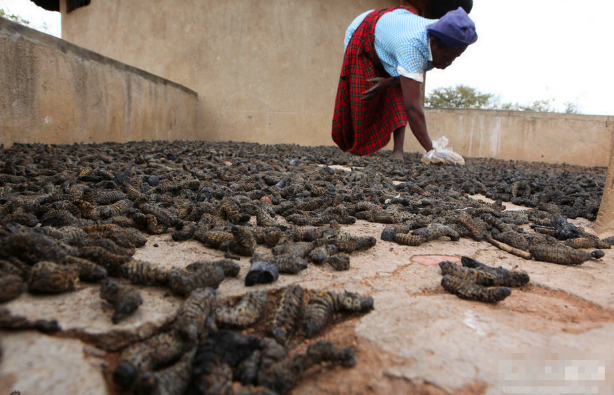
[(381, 84)]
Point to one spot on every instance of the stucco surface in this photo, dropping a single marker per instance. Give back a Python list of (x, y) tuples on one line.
[(605, 219), (56, 92), (418, 339), (265, 71), (538, 137)]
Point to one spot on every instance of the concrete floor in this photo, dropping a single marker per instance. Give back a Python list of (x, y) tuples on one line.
[(555, 335)]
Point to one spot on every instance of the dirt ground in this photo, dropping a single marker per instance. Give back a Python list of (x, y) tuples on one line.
[(575, 303), (555, 335)]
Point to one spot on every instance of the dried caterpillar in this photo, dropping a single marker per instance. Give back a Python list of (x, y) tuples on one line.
[(163, 216), (283, 375), (513, 239), (486, 277), (470, 223), (88, 271), (244, 313), (49, 278), (143, 272), (339, 262), (182, 281), (213, 238), (289, 263), (244, 243), (509, 278), (473, 291), (228, 266), (193, 314), (172, 380), (563, 255), (300, 248), (346, 242), (9, 321), (116, 209), (110, 197), (287, 310), (320, 309), (269, 236), (101, 256), (319, 255), (154, 352), (434, 231), (125, 300), (11, 286), (588, 242)]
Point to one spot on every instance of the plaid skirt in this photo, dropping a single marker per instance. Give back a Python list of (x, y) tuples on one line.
[(363, 127)]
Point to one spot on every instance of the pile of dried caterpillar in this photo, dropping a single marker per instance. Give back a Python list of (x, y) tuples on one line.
[(477, 281)]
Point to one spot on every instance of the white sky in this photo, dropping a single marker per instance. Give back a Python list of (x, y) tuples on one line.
[(527, 50), (40, 19)]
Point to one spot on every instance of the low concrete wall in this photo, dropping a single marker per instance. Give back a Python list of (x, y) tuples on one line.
[(57, 92), (542, 137), (605, 218)]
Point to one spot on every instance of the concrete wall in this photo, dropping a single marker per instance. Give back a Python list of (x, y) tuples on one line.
[(605, 219), (56, 92), (542, 137), (265, 71)]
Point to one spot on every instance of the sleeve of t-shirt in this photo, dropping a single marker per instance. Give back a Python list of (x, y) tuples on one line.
[(412, 62)]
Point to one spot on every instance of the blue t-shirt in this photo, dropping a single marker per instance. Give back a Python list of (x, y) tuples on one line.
[(401, 43)]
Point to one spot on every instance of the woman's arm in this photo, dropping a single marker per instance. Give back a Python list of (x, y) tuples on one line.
[(415, 115)]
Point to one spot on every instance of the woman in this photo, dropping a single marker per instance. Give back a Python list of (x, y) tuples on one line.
[(391, 49)]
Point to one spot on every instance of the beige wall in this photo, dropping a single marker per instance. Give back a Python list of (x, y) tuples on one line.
[(56, 92), (264, 70), (542, 137), (605, 219)]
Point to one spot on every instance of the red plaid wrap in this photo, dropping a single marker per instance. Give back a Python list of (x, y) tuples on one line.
[(364, 126)]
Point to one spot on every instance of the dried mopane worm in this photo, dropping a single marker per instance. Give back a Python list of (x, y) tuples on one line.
[(511, 278), (143, 272), (193, 314), (470, 290), (183, 281), (321, 308), (588, 242), (346, 242), (320, 254), (228, 266), (409, 239), (154, 352), (88, 270), (287, 310), (326, 351), (9, 321), (289, 263), (282, 376), (434, 231), (513, 239), (244, 242), (484, 275), (244, 313), (339, 262), (561, 255), (11, 286), (169, 381), (50, 278), (124, 299)]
